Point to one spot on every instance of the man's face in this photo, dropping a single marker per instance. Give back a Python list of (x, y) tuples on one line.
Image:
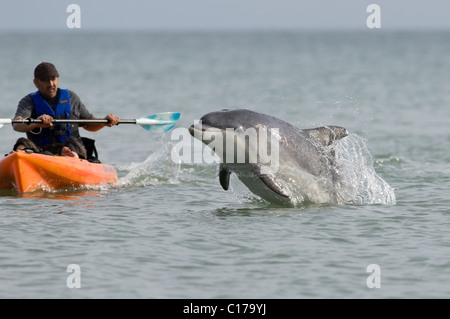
[(47, 88)]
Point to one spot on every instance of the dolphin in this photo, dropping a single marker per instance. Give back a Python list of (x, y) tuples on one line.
[(300, 167)]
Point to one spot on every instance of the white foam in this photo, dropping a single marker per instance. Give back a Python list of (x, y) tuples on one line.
[(360, 184)]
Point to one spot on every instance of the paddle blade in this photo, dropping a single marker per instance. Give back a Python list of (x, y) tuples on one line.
[(160, 122), (4, 121)]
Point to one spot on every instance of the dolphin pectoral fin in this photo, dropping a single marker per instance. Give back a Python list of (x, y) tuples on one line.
[(326, 135), (224, 178), (270, 182)]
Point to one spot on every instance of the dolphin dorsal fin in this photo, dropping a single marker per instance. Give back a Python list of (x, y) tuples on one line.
[(326, 135)]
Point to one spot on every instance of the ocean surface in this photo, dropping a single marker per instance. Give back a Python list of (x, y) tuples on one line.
[(169, 230)]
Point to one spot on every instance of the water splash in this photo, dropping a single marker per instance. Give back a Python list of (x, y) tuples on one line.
[(158, 168), (359, 184)]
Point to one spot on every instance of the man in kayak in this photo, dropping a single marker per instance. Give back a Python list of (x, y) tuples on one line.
[(48, 103)]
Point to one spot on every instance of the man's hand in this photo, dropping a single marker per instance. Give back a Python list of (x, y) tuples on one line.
[(93, 127), (46, 121), (112, 120), (27, 127)]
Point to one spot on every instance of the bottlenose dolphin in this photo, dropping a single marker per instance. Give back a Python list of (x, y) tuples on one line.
[(300, 167)]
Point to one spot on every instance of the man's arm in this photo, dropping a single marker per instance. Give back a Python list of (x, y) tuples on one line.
[(93, 127), (24, 127), (25, 110), (82, 113)]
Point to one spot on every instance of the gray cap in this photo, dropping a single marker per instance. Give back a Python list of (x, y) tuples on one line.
[(44, 71)]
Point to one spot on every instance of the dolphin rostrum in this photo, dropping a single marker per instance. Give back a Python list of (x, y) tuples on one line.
[(276, 160)]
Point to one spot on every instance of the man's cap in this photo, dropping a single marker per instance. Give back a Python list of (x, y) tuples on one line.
[(44, 71)]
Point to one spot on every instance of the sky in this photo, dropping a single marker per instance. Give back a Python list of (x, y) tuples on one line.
[(31, 15)]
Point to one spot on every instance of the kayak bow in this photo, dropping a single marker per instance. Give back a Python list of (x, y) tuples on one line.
[(28, 172)]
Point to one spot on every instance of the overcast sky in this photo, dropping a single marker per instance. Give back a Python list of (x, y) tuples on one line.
[(114, 15)]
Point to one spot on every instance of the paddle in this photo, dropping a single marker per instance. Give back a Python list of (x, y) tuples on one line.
[(158, 123)]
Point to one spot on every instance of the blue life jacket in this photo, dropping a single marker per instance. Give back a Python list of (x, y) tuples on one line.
[(58, 133)]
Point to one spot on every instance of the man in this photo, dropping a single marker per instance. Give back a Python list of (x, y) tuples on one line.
[(50, 102)]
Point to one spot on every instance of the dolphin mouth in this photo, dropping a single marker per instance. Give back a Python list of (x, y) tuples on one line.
[(192, 129), (198, 130)]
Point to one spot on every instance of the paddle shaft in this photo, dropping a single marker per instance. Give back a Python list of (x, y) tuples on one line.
[(141, 121), (158, 123), (29, 121)]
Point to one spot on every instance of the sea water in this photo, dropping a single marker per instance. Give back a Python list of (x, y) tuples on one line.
[(168, 229)]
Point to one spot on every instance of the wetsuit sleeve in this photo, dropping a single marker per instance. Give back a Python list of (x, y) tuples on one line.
[(25, 108), (78, 109)]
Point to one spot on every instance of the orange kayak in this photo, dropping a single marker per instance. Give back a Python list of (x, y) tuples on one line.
[(28, 172)]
